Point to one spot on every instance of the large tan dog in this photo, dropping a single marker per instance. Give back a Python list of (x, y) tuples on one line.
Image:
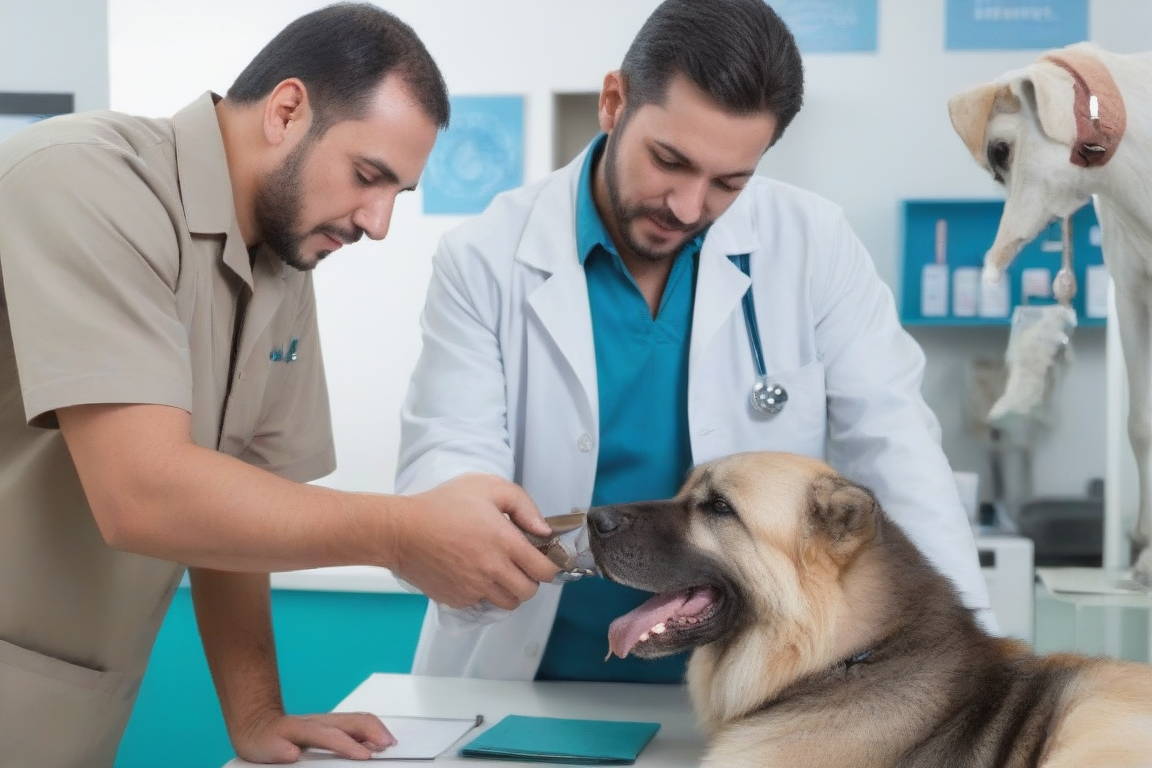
[(824, 638), (1077, 123)]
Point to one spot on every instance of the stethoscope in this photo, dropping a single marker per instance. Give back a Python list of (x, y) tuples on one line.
[(768, 397)]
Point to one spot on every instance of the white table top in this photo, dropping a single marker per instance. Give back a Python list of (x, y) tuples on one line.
[(1095, 587), (678, 744), (345, 578)]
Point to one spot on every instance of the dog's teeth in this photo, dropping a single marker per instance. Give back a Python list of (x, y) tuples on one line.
[(644, 637), (691, 619), (658, 629)]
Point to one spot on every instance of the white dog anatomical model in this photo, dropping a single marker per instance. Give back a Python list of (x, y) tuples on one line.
[(1076, 123)]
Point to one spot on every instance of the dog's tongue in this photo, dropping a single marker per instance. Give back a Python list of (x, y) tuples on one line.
[(625, 631)]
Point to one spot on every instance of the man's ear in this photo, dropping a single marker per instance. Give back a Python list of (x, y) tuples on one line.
[(612, 96), (970, 112), (844, 513), (1055, 93), (287, 110)]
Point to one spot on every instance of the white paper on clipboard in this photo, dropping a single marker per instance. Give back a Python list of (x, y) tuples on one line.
[(417, 738)]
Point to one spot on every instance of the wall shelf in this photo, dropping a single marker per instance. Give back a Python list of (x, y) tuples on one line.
[(944, 246)]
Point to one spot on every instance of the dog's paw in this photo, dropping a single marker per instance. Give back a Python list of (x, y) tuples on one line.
[(992, 274)]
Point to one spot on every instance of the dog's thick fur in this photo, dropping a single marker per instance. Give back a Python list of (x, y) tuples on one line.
[(831, 642), (1028, 129)]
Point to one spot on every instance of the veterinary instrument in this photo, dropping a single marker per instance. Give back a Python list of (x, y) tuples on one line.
[(768, 397), (567, 555)]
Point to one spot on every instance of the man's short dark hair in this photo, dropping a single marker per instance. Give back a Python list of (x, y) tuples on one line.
[(341, 53), (738, 52)]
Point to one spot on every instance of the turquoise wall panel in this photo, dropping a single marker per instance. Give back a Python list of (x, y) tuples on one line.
[(327, 643)]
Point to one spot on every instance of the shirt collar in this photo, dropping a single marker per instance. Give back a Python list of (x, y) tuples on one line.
[(590, 230), (205, 185)]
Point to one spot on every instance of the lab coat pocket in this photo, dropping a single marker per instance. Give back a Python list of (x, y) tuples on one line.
[(800, 427), (460, 622)]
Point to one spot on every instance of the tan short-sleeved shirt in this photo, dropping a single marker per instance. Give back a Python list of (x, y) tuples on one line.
[(122, 271)]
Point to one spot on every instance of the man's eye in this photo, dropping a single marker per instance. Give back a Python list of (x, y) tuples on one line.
[(668, 165), (363, 180)]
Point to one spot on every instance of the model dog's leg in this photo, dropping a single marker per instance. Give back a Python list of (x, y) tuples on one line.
[(1136, 340), (1134, 314)]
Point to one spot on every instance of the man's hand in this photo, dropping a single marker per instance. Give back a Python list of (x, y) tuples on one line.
[(458, 548), (278, 738)]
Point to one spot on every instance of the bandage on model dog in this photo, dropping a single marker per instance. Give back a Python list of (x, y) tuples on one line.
[(1101, 117)]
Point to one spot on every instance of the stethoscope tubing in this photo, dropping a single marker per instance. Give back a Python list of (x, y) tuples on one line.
[(744, 262), (767, 398)]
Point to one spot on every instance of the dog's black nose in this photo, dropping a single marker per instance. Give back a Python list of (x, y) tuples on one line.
[(606, 521)]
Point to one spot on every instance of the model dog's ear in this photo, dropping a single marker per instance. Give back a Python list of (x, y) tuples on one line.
[(845, 514), (970, 112), (1055, 99)]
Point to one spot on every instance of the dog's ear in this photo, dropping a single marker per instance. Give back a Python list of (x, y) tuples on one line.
[(970, 112), (844, 513), (1055, 94)]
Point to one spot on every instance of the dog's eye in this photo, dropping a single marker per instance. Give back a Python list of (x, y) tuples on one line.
[(719, 506), (998, 154)]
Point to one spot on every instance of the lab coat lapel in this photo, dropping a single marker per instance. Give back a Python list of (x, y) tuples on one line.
[(561, 303), (720, 285)]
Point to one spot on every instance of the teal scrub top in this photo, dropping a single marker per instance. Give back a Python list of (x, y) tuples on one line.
[(645, 453)]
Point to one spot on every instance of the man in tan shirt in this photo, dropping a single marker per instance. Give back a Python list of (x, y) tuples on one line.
[(162, 394)]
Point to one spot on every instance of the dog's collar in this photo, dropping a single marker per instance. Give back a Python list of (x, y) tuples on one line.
[(1101, 117), (847, 663), (852, 661)]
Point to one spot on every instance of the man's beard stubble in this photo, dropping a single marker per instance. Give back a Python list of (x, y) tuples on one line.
[(278, 206), (625, 215)]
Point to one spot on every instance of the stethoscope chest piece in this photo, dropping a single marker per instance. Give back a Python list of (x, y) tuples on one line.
[(768, 397)]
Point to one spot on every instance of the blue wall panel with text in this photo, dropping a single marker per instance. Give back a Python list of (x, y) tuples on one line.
[(1014, 24)]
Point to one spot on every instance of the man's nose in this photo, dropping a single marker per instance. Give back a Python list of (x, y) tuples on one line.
[(375, 216), (687, 201)]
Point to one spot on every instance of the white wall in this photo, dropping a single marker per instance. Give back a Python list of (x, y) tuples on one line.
[(874, 131), (56, 46)]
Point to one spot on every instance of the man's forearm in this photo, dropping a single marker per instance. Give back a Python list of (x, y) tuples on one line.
[(233, 612), (221, 513), (154, 492)]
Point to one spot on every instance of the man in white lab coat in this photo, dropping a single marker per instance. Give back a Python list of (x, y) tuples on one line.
[(587, 336)]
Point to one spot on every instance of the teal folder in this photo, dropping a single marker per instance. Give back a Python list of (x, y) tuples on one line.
[(555, 740)]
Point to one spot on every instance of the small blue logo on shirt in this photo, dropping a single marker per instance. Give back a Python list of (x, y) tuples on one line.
[(279, 355)]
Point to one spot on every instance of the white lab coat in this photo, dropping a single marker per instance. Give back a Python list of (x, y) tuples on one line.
[(506, 382)]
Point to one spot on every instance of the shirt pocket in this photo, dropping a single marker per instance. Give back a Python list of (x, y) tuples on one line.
[(33, 666), (54, 712)]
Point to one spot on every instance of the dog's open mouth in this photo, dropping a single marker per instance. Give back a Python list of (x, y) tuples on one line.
[(664, 621)]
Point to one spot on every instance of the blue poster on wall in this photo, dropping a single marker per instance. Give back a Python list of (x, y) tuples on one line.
[(830, 26), (973, 25), (480, 155)]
